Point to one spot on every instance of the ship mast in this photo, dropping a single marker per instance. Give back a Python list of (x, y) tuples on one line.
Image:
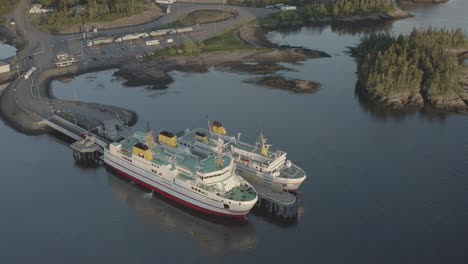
[(150, 140), (265, 147), (209, 125)]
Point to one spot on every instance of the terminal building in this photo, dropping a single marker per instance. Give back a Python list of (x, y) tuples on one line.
[(4, 67)]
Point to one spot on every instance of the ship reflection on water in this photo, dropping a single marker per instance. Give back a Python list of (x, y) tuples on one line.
[(215, 236)]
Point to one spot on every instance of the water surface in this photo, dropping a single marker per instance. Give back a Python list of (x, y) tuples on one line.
[(381, 188)]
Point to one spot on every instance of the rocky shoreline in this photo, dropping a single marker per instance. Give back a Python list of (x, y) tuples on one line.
[(421, 100), (155, 72), (281, 83), (423, 1), (30, 123), (388, 16)]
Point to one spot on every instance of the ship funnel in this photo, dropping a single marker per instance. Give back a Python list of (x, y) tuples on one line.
[(218, 128)]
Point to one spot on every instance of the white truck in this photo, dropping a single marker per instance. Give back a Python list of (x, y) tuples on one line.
[(28, 74), (152, 42), (169, 40)]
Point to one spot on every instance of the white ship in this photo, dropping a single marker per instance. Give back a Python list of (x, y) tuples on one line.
[(209, 185), (252, 160)]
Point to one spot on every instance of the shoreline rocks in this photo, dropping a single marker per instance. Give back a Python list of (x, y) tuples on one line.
[(397, 14), (155, 73), (423, 1), (455, 103), (282, 83)]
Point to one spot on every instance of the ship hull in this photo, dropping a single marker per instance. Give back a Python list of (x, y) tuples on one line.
[(174, 193)]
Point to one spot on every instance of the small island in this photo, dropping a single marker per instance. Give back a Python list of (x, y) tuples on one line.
[(422, 69), (321, 11)]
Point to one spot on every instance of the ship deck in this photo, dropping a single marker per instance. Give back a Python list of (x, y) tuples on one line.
[(183, 159), (191, 137), (241, 194), (294, 172), (272, 155)]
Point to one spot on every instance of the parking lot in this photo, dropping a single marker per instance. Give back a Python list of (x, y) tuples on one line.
[(133, 48)]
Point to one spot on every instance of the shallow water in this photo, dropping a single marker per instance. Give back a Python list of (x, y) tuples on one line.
[(381, 188)]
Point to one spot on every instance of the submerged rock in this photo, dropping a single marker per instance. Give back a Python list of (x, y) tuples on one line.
[(279, 82), (137, 75), (453, 103), (254, 68)]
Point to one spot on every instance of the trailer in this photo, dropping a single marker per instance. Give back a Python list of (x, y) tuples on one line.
[(99, 41), (184, 30), (28, 74), (132, 37), (152, 42), (159, 33)]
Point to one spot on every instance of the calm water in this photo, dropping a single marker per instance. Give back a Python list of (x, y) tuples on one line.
[(381, 188)]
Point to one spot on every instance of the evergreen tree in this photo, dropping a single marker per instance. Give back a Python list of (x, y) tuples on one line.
[(420, 62)]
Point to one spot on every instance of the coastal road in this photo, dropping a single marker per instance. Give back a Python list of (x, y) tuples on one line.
[(45, 47), (25, 92), (74, 44)]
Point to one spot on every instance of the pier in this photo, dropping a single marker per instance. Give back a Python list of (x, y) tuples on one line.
[(273, 199), (73, 131), (86, 151)]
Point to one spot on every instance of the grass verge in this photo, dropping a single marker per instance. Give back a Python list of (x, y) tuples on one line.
[(229, 40)]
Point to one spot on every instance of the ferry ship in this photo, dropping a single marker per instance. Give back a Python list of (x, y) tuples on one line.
[(252, 160), (209, 185)]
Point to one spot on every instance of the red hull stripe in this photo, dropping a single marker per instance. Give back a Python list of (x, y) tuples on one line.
[(178, 200)]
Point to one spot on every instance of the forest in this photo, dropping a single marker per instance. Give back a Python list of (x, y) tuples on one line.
[(422, 62), (6, 6), (310, 9), (344, 8), (92, 10)]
